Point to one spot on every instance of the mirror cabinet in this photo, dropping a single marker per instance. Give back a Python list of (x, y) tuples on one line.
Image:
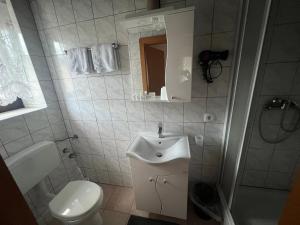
[(161, 54)]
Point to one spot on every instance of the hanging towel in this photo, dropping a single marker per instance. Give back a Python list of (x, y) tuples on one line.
[(105, 58), (80, 61)]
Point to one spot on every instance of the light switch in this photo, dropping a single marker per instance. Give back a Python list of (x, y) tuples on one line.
[(199, 140)]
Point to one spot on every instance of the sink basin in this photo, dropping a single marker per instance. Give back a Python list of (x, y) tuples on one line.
[(154, 150)]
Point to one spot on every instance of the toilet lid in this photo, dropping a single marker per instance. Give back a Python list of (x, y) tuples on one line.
[(76, 199)]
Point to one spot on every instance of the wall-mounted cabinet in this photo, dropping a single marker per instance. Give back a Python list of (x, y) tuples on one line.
[(161, 54)]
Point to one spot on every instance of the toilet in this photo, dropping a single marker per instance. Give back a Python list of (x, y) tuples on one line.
[(77, 203)]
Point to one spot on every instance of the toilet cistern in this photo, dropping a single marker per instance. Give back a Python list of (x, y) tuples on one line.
[(160, 130)]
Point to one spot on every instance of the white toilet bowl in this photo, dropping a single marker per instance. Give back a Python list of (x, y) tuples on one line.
[(78, 203)]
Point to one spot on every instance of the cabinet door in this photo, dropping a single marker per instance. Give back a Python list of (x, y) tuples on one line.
[(173, 192), (146, 196), (178, 76)]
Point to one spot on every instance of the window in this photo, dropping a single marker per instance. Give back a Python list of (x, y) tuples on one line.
[(19, 86)]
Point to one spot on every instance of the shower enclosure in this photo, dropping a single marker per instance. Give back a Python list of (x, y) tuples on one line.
[(263, 135)]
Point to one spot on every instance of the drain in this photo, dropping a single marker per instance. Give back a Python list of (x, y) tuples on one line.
[(159, 154)]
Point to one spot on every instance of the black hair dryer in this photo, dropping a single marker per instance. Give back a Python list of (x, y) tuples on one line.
[(208, 58)]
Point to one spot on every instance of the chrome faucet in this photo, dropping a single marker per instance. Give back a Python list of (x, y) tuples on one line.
[(160, 130)]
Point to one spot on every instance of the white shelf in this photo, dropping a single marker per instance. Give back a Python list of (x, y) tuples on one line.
[(17, 112)]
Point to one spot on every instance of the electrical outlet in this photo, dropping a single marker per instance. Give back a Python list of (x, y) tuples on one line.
[(208, 117)]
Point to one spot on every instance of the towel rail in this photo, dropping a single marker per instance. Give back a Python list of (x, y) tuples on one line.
[(75, 136), (114, 45)]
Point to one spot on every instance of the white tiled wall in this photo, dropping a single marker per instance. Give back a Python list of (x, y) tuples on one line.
[(273, 165), (23, 131), (98, 108)]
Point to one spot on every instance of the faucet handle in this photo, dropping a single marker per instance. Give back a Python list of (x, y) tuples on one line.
[(160, 130)]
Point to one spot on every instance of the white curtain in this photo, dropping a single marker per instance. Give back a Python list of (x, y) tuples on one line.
[(13, 79)]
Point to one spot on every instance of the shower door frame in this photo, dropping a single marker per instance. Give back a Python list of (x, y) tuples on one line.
[(251, 35)]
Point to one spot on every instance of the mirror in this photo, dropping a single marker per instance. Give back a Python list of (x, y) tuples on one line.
[(148, 56), (153, 54)]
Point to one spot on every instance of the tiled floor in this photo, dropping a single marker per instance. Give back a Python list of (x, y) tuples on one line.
[(118, 205), (258, 206)]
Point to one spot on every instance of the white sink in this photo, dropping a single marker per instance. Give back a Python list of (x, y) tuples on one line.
[(154, 150)]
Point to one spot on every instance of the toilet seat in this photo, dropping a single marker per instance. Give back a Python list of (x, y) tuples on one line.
[(76, 201)]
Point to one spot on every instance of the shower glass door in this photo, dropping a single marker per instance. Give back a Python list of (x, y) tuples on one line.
[(268, 161)]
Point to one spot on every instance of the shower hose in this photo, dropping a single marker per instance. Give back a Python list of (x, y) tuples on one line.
[(288, 131)]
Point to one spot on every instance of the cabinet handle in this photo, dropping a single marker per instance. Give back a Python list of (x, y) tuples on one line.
[(165, 181), (66, 150), (151, 179)]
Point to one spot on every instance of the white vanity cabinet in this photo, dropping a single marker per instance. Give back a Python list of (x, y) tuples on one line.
[(173, 190), (146, 196), (161, 188)]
